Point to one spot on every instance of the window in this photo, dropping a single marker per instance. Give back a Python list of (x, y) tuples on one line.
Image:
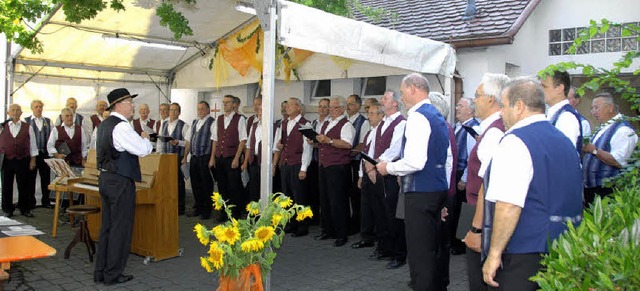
[(374, 86), (321, 88), (560, 40)]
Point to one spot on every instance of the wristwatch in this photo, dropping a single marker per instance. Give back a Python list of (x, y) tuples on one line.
[(595, 151), (473, 229), (331, 141)]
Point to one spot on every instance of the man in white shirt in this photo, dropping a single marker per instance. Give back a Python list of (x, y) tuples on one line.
[(253, 151), (42, 127), (424, 181), (19, 149), (139, 124), (574, 100), (163, 110), (293, 154), (75, 138), (229, 141), (312, 170), (200, 150), (77, 118), (609, 148), (561, 114), (533, 189), (361, 125), (97, 118), (180, 135), (488, 102)]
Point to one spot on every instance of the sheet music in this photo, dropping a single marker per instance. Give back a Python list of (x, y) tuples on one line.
[(4, 221), (86, 186)]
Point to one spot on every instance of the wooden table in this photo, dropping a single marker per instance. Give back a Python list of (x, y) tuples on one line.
[(21, 248), (59, 189)]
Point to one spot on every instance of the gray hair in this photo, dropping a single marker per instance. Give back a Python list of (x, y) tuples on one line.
[(147, 105), (298, 102), (607, 98), (438, 101), (527, 89), (66, 109), (493, 84), (417, 80), (396, 97), (341, 101), (378, 106), (37, 101), (472, 105)]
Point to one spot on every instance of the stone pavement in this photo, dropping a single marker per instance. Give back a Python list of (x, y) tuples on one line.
[(301, 264)]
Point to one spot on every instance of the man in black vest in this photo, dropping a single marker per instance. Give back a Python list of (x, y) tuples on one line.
[(200, 149), (17, 144), (179, 131), (361, 125), (118, 149), (42, 127)]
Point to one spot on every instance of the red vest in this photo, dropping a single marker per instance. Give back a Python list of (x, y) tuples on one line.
[(330, 155), (75, 144), (228, 139), (252, 146), (383, 140), (95, 120), (454, 152), (15, 147), (137, 125), (473, 180), (250, 121), (292, 143)]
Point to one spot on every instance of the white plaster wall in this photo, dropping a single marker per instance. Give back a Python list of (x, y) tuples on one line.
[(188, 99), (3, 75)]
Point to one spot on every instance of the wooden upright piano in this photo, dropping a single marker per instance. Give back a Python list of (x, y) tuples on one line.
[(155, 229)]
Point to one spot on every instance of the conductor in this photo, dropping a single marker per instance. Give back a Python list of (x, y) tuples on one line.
[(118, 148)]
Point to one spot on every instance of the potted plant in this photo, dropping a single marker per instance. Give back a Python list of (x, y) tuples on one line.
[(240, 250)]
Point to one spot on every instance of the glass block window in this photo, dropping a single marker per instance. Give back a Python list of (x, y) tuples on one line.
[(560, 40)]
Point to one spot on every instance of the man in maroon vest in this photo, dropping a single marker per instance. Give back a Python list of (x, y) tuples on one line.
[(253, 151), (488, 106), (164, 115), (97, 118), (334, 143), (77, 118), (294, 156), (143, 120), (73, 136), (18, 146), (229, 139)]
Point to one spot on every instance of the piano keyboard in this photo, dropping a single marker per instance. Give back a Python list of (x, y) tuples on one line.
[(86, 186)]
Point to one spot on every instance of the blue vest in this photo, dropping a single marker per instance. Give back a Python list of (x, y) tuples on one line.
[(42, 135), (594, 169), (111, 160), (554, 195), (176, 134), (433, 176), (570, 109), (201, 140), (461, 142), (356, 138)]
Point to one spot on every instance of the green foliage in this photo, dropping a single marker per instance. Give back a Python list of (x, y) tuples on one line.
[(177, 23)]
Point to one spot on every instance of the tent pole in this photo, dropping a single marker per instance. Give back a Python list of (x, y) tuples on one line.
[(268, 81), (448, 80)]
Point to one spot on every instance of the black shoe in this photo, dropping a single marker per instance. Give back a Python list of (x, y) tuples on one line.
[(378, 256), (193, 214), (322, 236), (27, 213), (395, 263), (362, 244), (340, 242), (8, 214), (411, 284), (48, 205), (121, 279), (300, 233), (289, 229)]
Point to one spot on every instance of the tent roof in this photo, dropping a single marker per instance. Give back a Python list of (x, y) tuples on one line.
[(82, 51)]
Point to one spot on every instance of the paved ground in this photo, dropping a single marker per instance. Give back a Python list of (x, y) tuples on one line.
[(302, 264)]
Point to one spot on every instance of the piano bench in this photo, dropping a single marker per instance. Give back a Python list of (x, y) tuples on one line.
[(82, 234)]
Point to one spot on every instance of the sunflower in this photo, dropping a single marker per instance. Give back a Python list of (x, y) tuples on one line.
[(304, 213), (205, 264), (275, 219), (252, 245), (217, 201), (265, 233), (285, 203), (227, 234), (253, 209), (201, 233), (216, 255)]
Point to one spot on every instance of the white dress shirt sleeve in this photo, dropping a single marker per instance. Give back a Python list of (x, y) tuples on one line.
[(448, 166), (307, 151), (186, 133), (623, 142), (33, 146), (393, 152), (85, 143), (363, 130), (242, 129), (569, 126), (513, 160), (214, 130), (276, 139), (347, 132), (126, 139), (87, 125), (51, 142), (586, 128), (487, 148), (415, 148)]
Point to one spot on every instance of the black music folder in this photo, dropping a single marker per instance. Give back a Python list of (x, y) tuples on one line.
[(467, 211), (471, 131), (63, 149), (165, 138), (368, 158), (308, 132)]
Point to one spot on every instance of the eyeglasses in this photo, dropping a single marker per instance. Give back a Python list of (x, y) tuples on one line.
[(476, 95), (334, 107), (597, 107)]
